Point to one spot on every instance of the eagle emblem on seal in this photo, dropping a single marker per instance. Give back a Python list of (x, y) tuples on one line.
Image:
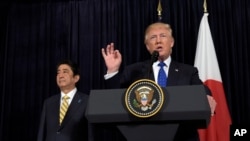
[(144, 98)]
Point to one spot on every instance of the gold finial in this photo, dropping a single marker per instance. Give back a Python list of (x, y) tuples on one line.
[(159, 9), (205, 6)]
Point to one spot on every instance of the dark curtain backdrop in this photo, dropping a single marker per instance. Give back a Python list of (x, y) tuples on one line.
[(35, 35)]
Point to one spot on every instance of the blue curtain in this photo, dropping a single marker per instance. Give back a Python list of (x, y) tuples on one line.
[(35, 35)]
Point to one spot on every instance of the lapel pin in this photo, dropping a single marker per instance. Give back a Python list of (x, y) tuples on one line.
[(79, 101)]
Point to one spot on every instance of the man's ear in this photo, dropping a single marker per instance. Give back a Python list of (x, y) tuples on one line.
[(147, 48), (145, 43), (172, 44), (77, 78)]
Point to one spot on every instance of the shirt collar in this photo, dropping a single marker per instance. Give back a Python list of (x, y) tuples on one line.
[(167, 62), (70, 94)]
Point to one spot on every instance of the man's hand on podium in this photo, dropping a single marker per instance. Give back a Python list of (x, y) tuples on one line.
[(212, 104)]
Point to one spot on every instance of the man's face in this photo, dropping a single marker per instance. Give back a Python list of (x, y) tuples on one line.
[(159, 38), (65, 78)]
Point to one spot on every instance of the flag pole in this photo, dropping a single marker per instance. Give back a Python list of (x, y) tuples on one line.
[(159, 10), (205, 6)]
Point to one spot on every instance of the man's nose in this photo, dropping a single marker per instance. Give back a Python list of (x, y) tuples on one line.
[(60, 75), (158, 40)]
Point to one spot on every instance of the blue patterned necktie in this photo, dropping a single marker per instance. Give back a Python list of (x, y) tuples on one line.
[(162, 77)]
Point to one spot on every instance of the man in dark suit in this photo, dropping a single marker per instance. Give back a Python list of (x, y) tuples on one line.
[(158, 37), (73, 126)]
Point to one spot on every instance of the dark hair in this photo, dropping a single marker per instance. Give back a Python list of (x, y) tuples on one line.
[(74, 67)]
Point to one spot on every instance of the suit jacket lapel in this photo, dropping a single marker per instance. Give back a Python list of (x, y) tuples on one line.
[(75, 103), (147, 71), (55, 108), (173, 74)]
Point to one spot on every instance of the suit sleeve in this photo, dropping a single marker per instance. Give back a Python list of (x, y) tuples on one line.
[(41, 130), (197, 81), (113, 82)]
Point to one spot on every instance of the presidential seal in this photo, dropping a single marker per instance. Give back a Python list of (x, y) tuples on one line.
[(144, 98)]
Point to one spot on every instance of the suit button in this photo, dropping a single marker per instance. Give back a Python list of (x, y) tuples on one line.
[(58, 132)]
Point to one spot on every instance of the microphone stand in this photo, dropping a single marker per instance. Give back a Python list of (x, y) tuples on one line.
[(154, 57)]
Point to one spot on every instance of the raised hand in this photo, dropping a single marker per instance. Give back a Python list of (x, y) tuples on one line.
[(112, 58)]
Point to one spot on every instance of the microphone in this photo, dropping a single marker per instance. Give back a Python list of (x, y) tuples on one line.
[(154, 57)]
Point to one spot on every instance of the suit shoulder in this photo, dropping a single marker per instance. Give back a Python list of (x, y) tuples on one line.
[(83, 95), (183, 65), (52, 98), (138, 64)]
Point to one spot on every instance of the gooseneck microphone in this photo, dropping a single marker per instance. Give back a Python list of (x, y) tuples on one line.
[(154, 57)]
